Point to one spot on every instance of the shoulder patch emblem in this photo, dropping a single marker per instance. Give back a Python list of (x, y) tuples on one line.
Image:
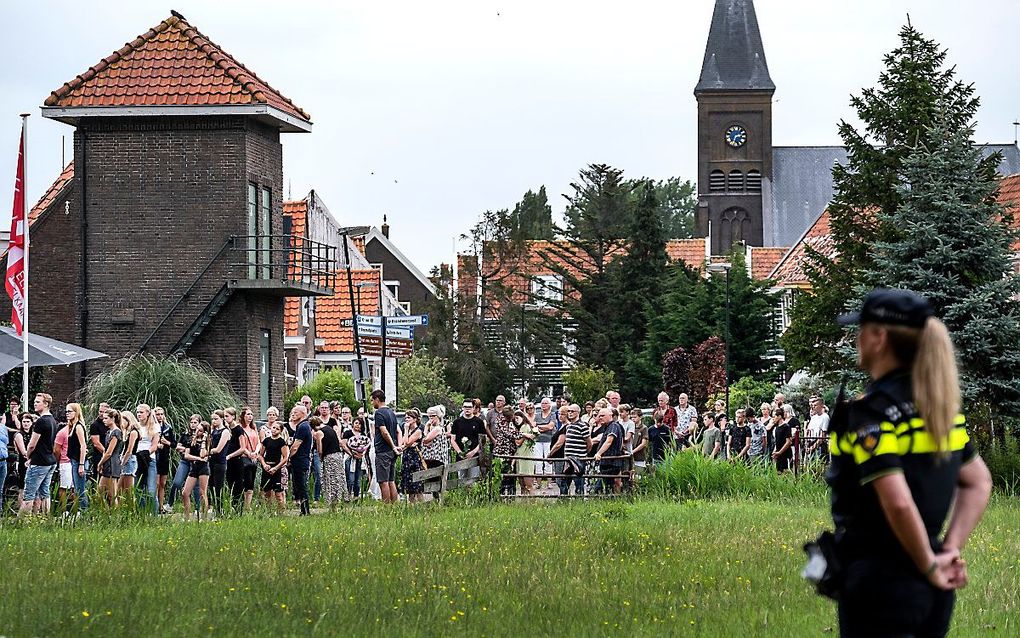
[(868, 439)]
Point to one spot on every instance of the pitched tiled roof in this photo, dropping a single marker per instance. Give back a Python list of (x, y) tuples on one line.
[(689, 251), (1009, 196), (764, 259), (52, 193), (172, 64), (297, 211), (331, 311), (789, 272)]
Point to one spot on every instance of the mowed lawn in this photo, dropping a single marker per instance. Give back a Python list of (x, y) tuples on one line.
[(646, 568)]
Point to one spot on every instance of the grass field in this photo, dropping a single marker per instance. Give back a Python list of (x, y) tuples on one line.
[(647, 568)]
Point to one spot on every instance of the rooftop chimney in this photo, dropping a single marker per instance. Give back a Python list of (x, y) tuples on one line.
[(385, 228)]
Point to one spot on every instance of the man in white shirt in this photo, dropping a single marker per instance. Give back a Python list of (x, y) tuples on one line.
[(817, 428)]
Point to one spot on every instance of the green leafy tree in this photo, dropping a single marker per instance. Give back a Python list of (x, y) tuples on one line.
[(533, 216), (953, 243), (586, 383), (677, 202), (333, 384), (422, 384), (915, 88)]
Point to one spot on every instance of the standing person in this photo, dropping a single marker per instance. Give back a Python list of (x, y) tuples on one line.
[(783, 456), (685, 414), (559, 440), (409, 438), (901, 461), (330, 449), (234, 452), (465, 437), (435, 446), (768, 423), (197, 456), (219, 443), (249, 455), (576, 445), (357, 446), (77, 449), (167, 444), (669, 415), (739, 440), (97, 435), (589, 408), (612, 446), (273, 456), (659, 437), (5, 439), (301, 456), (493, 415), (640, 440), (545, 423), (526, 434), (711, 442), (128, 461), (817, 430), (387, 447), (184, 466), (507, 440), (145, 452), (757, 452), (41, 460), (111, 463), (13, 414), (17, 456), (628, 428), (65, 483)]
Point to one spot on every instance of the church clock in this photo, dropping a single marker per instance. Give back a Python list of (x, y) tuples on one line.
[(736, 136)]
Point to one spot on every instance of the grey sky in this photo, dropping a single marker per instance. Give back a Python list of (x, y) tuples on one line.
[(457, 107)]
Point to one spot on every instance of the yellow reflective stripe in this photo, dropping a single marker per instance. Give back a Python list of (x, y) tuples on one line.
[(887, 444), (924, 442), (902, 428), (960, 420), (916, 423), (834, 444)]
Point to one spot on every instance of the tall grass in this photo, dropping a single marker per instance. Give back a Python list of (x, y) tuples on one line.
[(181, 386), (688, 474)]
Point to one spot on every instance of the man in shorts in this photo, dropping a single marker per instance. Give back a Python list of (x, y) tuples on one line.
[(386, 447)]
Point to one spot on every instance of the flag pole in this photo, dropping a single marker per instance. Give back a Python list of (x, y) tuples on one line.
[(24, 217)]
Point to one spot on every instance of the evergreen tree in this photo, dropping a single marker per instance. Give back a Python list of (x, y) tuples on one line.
[(952, 242), (914, 89), (533, 216), (677, 202)]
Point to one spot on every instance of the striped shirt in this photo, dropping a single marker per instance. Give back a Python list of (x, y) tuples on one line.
[(576, 444)]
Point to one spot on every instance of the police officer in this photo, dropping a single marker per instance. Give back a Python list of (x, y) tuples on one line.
[(900, 453)]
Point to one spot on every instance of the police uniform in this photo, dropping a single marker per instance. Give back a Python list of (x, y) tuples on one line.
[(883, 593)]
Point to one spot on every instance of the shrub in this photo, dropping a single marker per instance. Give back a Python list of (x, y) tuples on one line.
[(334, 384), (747, 392), (1003, 461), (688, 474), (421, 384), (181, 386), (586, 383)]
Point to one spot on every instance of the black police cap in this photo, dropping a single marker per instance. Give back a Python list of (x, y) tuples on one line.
[(890, 306)]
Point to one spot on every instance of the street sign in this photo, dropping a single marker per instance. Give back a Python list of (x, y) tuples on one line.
[(369, 320), (346, 323), (409, 320), (359, 371), (369, 331), (392, 333)]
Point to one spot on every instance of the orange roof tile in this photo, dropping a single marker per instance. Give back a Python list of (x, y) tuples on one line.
[(63, 181), (689, 251), (172, 64), (297, 211), (789, 272), (331, 311), (764, 259), (1009, 196)]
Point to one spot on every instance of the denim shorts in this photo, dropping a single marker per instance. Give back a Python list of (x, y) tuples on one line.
[(37, 482), (131, 467)]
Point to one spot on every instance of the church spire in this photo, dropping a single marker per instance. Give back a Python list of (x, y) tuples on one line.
[(734, 55)]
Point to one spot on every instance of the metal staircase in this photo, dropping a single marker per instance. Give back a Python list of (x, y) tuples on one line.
[(203, 320)]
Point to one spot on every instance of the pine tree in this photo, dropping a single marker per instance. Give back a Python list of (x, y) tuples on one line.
[(533, 216), (952, 242), (914, 89)]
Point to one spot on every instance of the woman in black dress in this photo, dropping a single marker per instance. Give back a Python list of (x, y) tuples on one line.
[(198, 455), (411, 462)]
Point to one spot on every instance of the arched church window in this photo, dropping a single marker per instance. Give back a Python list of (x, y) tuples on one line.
[(735, 183), (735, 226), (717, 181)]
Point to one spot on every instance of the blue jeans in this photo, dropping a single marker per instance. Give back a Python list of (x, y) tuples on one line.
[(317, 473), (149, 469), (79, 484), (354, 470), (180, 476), (37, 482), (3, 481)]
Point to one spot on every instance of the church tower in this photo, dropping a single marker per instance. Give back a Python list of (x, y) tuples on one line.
[(734, 96)]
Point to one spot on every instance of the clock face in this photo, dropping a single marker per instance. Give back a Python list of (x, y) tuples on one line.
[(736, 136)]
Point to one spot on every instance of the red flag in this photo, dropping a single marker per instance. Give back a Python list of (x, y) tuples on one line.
[(15, 282)]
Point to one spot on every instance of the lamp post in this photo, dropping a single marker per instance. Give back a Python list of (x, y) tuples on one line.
[(725, 267)]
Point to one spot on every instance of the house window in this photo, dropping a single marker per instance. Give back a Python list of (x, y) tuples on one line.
[(546, 288), (265, 230), (405, 306), (754, 181), (253, 213), (735, 182), (717, 181)]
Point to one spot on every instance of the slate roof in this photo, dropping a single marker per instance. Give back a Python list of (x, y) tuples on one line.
[(734, 55), (172, 64), (802, 185)]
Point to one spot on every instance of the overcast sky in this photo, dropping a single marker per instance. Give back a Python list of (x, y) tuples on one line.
[(458, 107)]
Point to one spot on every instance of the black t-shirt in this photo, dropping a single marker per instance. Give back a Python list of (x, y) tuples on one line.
[(615, 448), (98, 428), (330, 441), (73, 444), (166, 431), (234, 444), (273, 449), (385, 418), (740, 434), (659, 437), (782, 434), (471, 429), (46, 427), (218, 458), (303, 433)]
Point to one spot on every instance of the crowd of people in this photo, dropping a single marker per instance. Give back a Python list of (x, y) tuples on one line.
[(327, 453)]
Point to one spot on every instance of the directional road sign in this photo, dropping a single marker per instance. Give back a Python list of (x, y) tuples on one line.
[(370, 320), (392, 333), (409, 320)]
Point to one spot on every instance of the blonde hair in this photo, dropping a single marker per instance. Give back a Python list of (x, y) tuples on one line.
[(128, 417), (77, 417), (934, 379), (150, 426)]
